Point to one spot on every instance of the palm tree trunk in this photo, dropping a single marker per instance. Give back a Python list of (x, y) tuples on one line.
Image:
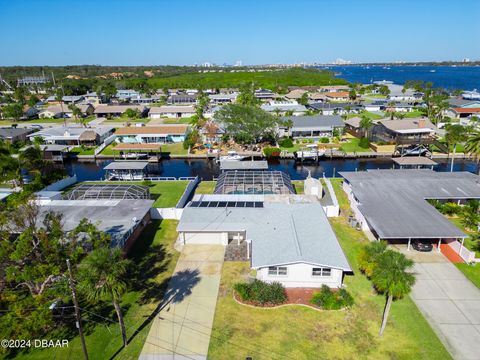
[(386, 311), (120, 321), (453, 157)]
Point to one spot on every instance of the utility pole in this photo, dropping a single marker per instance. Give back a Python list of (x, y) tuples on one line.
[(77, 311)]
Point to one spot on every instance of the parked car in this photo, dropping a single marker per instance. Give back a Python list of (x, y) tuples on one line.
[(422, 245)]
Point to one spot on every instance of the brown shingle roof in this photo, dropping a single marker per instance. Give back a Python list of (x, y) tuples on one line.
[(134, 130), (337, 94)]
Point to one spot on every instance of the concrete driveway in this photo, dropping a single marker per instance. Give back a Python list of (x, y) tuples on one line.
[(183, 326), (451, 304)]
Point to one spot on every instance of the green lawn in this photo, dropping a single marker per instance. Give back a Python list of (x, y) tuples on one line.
[(172, 149), (472, 272), (298, 186), (296, 332), (353, 146), (369, 114), (413, 114), (177, 121), (83, 151), (165, 193), (155, 260), (206, 187)]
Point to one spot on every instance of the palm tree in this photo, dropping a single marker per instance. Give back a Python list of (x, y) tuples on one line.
[(366, 123), (390, 277), (472, 147), (455, 134), (367, 259), (103, 277)]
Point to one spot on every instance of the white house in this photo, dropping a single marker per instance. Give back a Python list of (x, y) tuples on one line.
[(73, 135), (171, 111), (289, 239), (284, 107)]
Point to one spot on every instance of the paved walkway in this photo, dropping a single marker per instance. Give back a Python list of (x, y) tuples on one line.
[(182, 328), (451, 304)]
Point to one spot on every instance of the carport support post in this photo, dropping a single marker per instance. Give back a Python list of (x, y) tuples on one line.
[(463, 239), (439, 243), (408, 246)]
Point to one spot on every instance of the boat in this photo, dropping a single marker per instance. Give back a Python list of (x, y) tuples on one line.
[(310, 152), (432, 70), (232, 156), (134, 156)]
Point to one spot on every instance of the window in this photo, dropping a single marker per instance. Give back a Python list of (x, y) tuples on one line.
[(277, 270), (321, 272)]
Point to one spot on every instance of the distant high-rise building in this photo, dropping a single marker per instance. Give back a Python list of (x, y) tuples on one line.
[(207, 64), (238, 63), (342, 62)]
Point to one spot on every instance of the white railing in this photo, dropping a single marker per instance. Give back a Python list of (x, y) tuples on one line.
[(467, 255)]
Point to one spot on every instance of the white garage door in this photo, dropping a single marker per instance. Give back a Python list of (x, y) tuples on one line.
[(206, 238)]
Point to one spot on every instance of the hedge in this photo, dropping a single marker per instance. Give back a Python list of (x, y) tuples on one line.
[(261, 292), (330, 300)]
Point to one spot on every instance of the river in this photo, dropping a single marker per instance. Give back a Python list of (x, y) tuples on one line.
[(209, 169), (449, 77)]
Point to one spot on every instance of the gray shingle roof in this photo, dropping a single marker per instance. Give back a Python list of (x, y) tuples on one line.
[(317, 121), (280, 233), (394, 201)]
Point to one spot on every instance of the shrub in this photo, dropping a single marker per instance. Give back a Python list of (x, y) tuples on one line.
[(364, 142), (451, 208), (147, 182), (324, 140), (330, 300), (271, 151), (286, 143), (243, 290), (261, 292)]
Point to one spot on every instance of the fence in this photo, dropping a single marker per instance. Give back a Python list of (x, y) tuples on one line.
[(61, 184), (467, 255), (166, 213), (105, 143), (188, 192)]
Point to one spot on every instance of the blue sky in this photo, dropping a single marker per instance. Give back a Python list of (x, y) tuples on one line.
[(147, 32)]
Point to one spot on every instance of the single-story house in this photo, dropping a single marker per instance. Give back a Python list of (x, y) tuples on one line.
[(398, 93), (463, 112), (118, 110), (123, 220), (335, 108), (184, 99), (171, 111), (378, 105), (284, 107), (337, 95), (68, 99), (265, 94), (295, 94), (126, 94), (152, 134), (63, 111), (334, 88), (417, 131), (288, 237), (11, 134), (316, 97), (74, 135), (93, 98), (393, 205), (223, 98), (316, 126)]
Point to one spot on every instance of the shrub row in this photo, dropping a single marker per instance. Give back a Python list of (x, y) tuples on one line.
[(332, 300), (261, 292)]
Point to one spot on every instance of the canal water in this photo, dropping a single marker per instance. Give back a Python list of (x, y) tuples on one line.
[(209, 169)]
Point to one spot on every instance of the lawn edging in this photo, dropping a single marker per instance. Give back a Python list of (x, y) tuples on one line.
[(274, 307)]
